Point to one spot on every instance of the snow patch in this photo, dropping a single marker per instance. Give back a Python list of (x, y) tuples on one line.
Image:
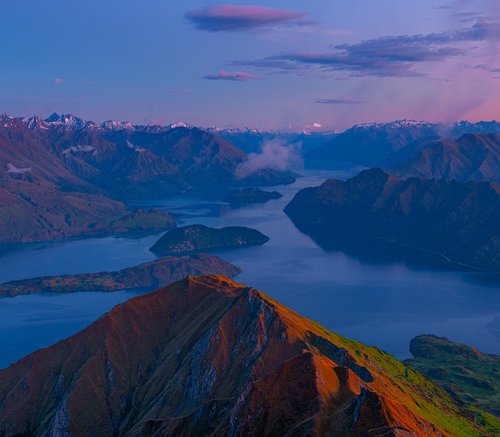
[(135, 148), (78, 149), (12, 169)]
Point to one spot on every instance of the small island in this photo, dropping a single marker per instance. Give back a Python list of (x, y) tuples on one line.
[(200, 238), (467, 374), (251, 195), (150, 275)]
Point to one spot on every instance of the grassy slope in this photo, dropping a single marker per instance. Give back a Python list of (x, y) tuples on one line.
[(431, 402), (467, 374)]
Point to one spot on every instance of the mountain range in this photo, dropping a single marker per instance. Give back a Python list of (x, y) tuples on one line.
[(132, 161), (208, 356), (456, 221), (66, 177), (390, 144), (251, 140)]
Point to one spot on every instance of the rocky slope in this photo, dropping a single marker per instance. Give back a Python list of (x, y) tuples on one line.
[(207, 356), (251, 195), (200, 238), (454, 220), (470, 158), (150, 275), (467, 374)]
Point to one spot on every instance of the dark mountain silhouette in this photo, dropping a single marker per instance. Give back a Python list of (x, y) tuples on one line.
[(458, 221)]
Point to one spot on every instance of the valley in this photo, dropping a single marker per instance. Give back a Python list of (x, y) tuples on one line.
[(380, 301)]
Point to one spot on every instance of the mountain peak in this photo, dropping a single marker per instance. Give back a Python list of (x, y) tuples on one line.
[(179, 124), (68, 120), (117, 125), (208, 356), (35, 122)]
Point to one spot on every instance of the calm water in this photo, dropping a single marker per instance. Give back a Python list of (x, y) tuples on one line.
[(378, 302)]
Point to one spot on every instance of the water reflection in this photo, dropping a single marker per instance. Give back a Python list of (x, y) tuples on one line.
[(384, 301)]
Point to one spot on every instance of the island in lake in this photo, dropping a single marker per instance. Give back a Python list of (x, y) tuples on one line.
[(200, 238), (152, 275), (246, 196)]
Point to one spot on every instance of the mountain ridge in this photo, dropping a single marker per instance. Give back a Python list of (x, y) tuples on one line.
[(207, 356), (472, 157)]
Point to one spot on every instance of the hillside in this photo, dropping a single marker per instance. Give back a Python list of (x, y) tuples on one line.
[(208, 356), (467, 374), (470, 158), (40, 199)]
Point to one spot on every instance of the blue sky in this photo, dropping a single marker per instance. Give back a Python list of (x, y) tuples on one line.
[(272, 65)]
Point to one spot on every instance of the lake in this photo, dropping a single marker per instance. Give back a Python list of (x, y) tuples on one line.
[(381, 302)]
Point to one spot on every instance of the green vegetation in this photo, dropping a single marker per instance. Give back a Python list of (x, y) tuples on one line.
[(141, 221), (200, 238), (466, 374)]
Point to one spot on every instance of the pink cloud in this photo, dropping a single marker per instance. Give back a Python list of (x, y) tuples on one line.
[(58, 81), (237, 76), (234, 18)]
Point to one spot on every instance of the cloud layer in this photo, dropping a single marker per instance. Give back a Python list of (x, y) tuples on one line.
[(237, 76), (235, 18), (338, 101), (390, 56)]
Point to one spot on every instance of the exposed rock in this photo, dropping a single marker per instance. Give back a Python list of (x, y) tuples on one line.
[(207, 356)]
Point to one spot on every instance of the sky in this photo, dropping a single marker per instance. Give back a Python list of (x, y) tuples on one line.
[(274, 65)]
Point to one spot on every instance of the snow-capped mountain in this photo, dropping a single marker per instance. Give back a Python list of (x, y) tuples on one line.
[(389, 144)]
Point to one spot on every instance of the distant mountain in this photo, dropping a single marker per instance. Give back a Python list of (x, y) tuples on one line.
[(251, 140), (154, 274), (130, 161), (389, 144), (122, 168), (473, 157), (207, 356), (58, 176), (467, 374), (457, 221)]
